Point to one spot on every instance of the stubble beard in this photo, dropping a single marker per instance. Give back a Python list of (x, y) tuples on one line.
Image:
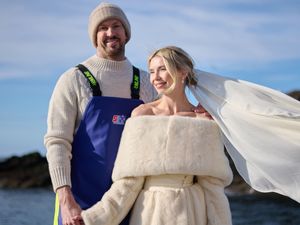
[(115, 53)]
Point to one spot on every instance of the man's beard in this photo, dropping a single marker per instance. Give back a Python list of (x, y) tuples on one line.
[(114, 51)]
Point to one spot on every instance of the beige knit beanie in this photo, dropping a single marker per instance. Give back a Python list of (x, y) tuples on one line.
[(103, 12)]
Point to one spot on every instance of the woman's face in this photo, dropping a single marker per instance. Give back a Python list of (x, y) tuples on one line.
[(159, 76)]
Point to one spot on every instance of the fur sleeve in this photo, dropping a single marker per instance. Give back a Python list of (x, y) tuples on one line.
[(217, 205), (115, 204)]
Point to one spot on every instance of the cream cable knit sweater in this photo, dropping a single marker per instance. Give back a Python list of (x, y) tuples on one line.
[(68, 102)]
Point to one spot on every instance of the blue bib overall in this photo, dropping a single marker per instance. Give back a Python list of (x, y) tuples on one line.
[(96, 143)]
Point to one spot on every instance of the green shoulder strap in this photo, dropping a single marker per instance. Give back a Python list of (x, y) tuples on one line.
[(135, 85), (92, 80)]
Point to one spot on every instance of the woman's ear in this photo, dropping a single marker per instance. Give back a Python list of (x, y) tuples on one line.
[(183, 75)]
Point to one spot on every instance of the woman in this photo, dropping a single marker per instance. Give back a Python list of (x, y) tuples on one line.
[(171, 162), (172, 165)]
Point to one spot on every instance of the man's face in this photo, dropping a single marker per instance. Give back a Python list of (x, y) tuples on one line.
[(111, 40)]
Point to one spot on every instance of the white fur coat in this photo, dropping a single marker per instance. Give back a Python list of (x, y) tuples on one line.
[(155, 145)]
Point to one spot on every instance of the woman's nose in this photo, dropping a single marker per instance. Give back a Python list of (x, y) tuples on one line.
[(156, 76)]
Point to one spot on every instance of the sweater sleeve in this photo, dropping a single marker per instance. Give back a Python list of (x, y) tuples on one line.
[(115, 204), (61, 124)]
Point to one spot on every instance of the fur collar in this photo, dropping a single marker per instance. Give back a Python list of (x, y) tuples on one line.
[(153, 145)]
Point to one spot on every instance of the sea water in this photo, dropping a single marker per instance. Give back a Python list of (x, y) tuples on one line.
[(36, 207)]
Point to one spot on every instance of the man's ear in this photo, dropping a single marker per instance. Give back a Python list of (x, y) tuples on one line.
[(127, 39)]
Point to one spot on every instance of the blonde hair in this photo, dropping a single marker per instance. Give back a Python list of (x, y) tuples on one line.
[(176, 60)]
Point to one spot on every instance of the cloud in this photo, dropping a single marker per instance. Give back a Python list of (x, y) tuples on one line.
[(230, 33), (39, 38), (220, 35), (247, 39)]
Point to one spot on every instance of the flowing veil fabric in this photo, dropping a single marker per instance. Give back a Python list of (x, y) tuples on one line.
[(261, 131)]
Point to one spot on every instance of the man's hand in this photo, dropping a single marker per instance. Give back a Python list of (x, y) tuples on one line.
[(70, 210), (201, 112)]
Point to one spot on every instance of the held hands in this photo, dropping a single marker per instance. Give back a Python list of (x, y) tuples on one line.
[(70, 210)]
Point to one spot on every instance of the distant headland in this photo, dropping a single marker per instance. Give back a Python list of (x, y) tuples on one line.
[(27, 171)]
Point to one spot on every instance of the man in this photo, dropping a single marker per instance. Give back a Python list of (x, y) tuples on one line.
[(84, 129), (109, 31)]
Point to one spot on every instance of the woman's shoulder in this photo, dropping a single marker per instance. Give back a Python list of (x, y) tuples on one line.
[(143, 109)]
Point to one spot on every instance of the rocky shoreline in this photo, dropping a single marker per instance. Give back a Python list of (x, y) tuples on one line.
[(28, 171), (31, 171)]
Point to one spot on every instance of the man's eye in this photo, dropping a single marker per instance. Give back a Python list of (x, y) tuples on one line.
[(102, 28)]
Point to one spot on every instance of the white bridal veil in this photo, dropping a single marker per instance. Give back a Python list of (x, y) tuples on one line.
[(261, 131)]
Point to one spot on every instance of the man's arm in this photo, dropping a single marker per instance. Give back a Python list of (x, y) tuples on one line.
[(70, 210), (58, 141)]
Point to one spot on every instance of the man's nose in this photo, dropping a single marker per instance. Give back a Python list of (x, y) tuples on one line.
[(110, 31)]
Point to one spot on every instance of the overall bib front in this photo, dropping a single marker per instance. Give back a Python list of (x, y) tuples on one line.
[(96, 143)]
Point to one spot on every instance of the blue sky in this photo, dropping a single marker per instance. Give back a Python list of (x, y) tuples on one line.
[(253, 40)]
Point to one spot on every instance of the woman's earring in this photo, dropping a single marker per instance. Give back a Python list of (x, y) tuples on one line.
[(184, 79)]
